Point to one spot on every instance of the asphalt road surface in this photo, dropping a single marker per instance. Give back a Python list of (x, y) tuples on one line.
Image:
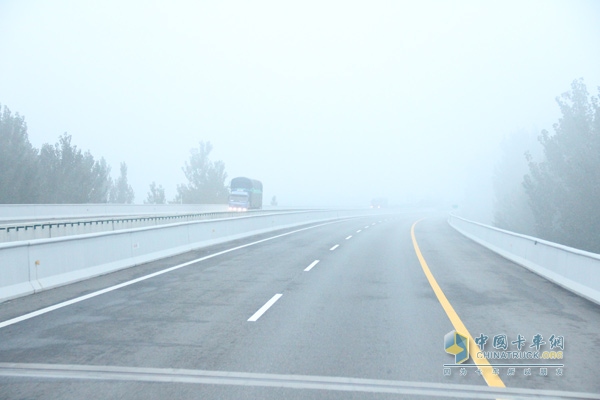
[(262, 318)]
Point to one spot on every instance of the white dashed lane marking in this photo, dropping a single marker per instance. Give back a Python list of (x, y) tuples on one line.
[(264, 308), (311, 265)]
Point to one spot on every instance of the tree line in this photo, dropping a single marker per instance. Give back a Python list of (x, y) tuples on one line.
[(557, 198), (54, 174), (64, 174)]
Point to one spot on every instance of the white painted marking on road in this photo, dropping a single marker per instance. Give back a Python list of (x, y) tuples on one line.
[(373, 223), (143, 278), (359, 231), (367, 227), (348, 237), (264, 308), (311, 265), (334, 247), (379, 221)]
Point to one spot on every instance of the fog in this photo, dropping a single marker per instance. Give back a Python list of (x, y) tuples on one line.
[(327, 103)]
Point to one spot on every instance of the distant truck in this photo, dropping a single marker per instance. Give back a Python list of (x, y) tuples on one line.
[(379, 202), (246, 194)]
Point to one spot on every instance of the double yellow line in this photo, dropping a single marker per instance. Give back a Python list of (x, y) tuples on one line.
[(486, 368)]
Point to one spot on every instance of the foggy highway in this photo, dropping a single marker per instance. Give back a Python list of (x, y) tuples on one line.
[(250, 200), (331, 310)]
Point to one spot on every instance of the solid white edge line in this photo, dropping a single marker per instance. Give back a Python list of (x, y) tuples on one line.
[(264, 308), (334, 247), (142, 278), (311, 265), (348, 237)]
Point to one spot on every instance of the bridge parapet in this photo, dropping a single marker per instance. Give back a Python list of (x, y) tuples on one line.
[(573, 269)]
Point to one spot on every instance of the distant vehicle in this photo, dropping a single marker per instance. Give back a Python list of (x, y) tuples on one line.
[(379, 202), (246, 194)]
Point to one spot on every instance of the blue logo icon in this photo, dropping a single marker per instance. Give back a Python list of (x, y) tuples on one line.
[(457, 345)]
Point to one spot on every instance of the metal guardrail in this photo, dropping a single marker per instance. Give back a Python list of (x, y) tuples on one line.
[(52, 229), (29, 212)]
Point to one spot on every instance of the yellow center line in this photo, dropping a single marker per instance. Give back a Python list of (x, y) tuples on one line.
[(490, 378)]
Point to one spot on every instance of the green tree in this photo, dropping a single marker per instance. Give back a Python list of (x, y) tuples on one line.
[(121, 191), (100, 182), (67, 175), (156, 195), (511, 204), (206, 179), (18, 161), (564, 188)]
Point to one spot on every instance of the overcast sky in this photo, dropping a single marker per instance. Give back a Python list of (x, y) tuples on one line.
[(324, 102)]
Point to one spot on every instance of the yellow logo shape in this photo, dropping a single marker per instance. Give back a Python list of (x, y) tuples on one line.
[(457, 345)]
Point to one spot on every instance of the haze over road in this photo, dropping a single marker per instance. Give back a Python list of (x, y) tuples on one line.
[(364, 310)]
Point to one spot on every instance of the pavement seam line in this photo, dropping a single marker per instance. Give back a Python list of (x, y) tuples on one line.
[(333, 383), (490, 378)]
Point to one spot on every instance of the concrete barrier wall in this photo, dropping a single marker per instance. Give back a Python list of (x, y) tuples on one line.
[(35, 265), (15, 277), (573, 269)]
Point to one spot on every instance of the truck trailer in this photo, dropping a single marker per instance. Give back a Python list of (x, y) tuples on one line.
[(246, 194)]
